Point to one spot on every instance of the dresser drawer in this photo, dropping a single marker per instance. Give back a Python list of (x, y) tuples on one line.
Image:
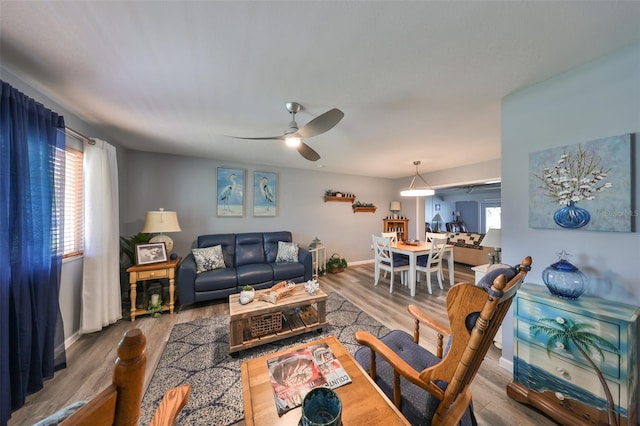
[(532, 311), (563, 377), (610, 365), (151, 275)]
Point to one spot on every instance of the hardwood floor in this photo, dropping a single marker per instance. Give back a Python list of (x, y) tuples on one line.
[(90, 359)]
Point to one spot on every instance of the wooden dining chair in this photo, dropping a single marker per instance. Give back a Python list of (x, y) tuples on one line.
[(119, 403), (432, 262), (386, 261), (433, 389)]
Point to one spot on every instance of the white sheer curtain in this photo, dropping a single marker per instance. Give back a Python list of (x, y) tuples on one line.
[(101, 303)]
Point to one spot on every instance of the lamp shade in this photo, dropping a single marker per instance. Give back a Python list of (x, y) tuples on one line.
[(437, 218), (395, 206), (493, 238), (161, 221)]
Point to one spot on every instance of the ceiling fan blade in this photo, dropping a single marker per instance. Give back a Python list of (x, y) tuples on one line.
[(279, 138), (321, 123), (307, 152)]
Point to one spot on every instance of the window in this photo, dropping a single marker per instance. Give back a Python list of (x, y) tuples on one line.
[(72, 191)]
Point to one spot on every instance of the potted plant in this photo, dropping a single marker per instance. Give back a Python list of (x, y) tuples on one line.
[(247, 294), (336, 264)]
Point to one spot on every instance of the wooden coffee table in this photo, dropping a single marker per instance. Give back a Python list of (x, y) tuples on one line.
[(302, 313), (362, 400)]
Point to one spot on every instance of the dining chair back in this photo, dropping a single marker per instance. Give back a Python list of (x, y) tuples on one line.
[(434, 388), (430, 236), (432, 262), (386, 261)]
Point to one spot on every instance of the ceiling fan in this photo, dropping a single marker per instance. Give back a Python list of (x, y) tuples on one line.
[(295, 136)]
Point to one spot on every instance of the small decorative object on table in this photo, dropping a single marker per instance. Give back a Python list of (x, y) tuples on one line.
[(277, 292), (321, 407), (563, 279), (336, 264), (247, 294), (312, 287)]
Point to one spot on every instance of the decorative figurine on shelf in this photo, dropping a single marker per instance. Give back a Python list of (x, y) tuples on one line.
[(312, 287), (563, 279)]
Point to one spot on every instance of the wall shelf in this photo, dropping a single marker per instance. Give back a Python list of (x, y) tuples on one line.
[(364, 209), (340, 199)]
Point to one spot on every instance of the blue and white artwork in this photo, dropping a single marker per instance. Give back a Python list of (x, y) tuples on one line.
[(230, 192), (265, 194), (585, 186)]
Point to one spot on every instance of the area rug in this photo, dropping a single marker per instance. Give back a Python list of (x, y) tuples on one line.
[(197, 353)]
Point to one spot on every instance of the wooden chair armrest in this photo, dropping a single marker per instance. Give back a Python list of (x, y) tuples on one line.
[(424, 319), (172, 403)]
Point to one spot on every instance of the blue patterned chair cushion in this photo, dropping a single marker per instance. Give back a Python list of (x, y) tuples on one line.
[(287, 252), (208, 258)]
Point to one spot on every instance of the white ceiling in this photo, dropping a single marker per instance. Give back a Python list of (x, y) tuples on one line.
[(416, 80)]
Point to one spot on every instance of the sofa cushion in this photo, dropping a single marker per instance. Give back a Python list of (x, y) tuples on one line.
[(258, 275), (217, 279), (287, 252), (208, 258), (271, 240), (487, 280), (287, 271), (249, 249), (226, 241), (466, 239)]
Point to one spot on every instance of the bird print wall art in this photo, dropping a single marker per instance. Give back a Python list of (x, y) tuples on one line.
[(230, 192), (265, 191)]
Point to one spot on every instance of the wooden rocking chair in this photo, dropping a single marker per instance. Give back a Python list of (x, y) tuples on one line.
[(119, 403), (431, 389)]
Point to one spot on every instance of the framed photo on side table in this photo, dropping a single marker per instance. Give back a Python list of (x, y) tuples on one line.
[(150, 253)]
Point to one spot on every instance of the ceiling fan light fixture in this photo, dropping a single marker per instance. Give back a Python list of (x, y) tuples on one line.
[(293, 141), (414, 191)]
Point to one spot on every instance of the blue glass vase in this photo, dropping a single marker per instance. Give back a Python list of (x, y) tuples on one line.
[(563, 279), (571, 216)]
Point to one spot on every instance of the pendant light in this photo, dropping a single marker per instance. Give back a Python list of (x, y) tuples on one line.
[(417, 191)]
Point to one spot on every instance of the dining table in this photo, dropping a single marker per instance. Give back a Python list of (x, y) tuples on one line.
[(420, 248)]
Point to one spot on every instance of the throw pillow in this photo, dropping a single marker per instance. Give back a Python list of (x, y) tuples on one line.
[(287, 252), (492, 274), (208, 258)]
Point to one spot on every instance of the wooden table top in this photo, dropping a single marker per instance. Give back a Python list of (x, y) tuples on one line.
[(299, 298), (362, 402)]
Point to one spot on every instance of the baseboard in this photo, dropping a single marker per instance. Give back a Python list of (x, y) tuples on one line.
[(505, 363), (71, 340), (361, 262)]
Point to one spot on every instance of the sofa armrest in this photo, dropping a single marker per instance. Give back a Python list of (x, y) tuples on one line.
[(187, 280), (304, 257)]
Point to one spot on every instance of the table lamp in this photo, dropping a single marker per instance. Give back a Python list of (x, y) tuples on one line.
[(161, 221), (493, 238), (395, 207), (437, 219)]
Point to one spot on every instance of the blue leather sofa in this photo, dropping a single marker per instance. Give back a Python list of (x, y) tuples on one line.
[(249, 259)]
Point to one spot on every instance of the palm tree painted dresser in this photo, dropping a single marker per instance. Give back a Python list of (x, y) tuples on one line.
[(576, 360)]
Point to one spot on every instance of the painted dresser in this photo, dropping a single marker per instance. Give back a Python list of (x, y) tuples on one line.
[(565, 380)]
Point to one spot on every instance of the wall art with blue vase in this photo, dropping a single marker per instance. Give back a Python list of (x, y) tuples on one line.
[(586, 186)]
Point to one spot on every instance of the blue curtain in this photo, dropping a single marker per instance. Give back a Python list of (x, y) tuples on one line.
[(31, 141)]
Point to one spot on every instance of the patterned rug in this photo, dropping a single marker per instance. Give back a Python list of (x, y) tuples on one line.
[(197, 353)]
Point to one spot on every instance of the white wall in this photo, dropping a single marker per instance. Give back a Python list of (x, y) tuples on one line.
[(596, 100), (188, 186)]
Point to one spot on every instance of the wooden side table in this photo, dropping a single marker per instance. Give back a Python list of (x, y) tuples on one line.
[(152, 272)]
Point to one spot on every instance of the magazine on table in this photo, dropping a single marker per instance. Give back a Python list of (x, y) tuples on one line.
[(295, 373)]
